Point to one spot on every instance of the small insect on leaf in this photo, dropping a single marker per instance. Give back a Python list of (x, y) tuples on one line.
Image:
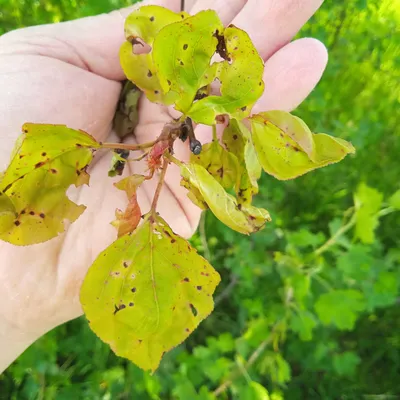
[(141, 294), (241, 218), (182, 56), (240, 75), (128, 220), (286, 147), (145, 23), (118, 162), (46, 161)]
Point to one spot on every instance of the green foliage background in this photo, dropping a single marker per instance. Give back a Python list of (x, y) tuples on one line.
[(316, 318)]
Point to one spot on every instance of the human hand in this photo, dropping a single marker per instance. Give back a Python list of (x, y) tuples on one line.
[(69, 74)]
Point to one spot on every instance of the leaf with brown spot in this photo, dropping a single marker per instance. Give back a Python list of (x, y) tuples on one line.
[(128, 220), (286, 147), (162, 316), (30, 184)]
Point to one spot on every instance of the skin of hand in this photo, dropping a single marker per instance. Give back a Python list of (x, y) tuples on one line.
[(69, 74)]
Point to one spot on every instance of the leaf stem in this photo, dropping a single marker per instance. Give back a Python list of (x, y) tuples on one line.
[(330, 242), (159, 186), (131, 147), (214, 131)]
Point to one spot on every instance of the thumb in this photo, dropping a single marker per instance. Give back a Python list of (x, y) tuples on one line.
[(90, 43)]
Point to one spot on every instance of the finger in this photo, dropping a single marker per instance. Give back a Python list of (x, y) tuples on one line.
[(90, 43), (291, 74), (226, 10), (272, 23)]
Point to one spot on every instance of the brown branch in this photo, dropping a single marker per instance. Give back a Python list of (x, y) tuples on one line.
[(159, 186), (131, 147)]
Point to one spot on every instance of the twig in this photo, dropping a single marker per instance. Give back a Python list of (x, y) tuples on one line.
[(253, 358), (227, 291), (182, 5), (159, 186), (131, 147)]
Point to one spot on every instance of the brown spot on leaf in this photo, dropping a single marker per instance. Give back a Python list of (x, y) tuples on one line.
[(193, 310), (53, 171), (156, 92), (185, 46), (244, 108), (125, 264), (131, 304), (173, 240), (149, 74), (23, 212), (198, 287), (44, 154), (235, 137), (133, 290), (21, 156), (17, 223), (41, 215), (39, 164), (31, 212), (78, 145), (221, 46), (185, 279), (151, 19)]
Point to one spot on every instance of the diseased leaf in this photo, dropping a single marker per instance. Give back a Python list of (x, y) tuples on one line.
[(240, 76), (367, 202), (340, 307), (147, 292), (286, 148), (46, 161), (145, 23), (220, 163), (127, 115), (244, 219), (182, 55), (128, 220), (237, 139)]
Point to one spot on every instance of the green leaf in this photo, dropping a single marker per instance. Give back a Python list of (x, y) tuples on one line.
[(237, 139), (340, 308), (394, 200), (368, 202), (287, 149), (276, 367), (254, 391), (147, 292), (356, 264), (46, 161), (220, 163), (384, 291), (243, 219), (345, 364), (303, 323), (145, 23), (241, 80), (182, 55)]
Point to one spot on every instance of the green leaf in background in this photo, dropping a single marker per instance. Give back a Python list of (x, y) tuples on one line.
[(356, 264), (145, 23), (237, 139), (345, 364), (384, 291), (220, 163), (367, 202), (240, 75), (245, 219), (46, 161), (394, 200), (253, 391), (273, 364), (303, 322), (340, 308), (287, 149), (182, 56), (147, 292)]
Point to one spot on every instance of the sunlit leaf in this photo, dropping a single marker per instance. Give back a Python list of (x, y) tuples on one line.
[(182, 55), (237, 139), (394, 200), (147, 292), (46, 161), (287, 149), (368, 202), (244, 219), (254, 391), (144, 24), (220, 163), (340, 308), (128, 220), (241, 80)]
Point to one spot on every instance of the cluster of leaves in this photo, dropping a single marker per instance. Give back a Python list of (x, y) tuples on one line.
[(316, 356), (149, 290)]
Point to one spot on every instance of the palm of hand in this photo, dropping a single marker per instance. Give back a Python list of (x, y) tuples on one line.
[(52, 82)]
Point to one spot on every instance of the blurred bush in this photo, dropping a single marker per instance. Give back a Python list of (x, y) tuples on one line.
[(308, 307)]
